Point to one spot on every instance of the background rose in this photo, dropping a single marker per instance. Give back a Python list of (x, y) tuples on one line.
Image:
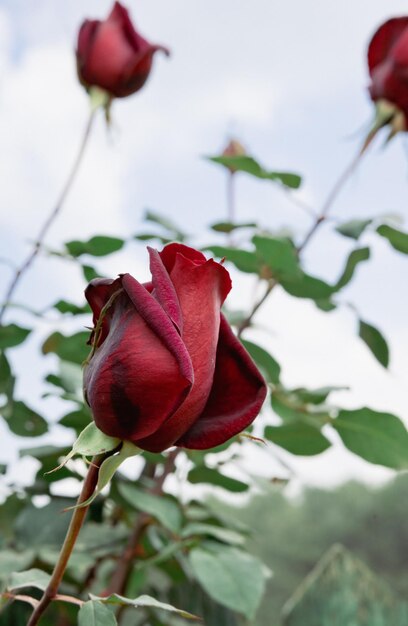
[(388, 63), (167, 368), (112, 55)]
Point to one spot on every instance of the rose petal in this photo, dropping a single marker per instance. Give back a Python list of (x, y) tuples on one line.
[(384, 39), (142, 372), (201, 287), (98, 293), (169, 254), (236, 397), (164, 290), (109, 57), (85, 38)]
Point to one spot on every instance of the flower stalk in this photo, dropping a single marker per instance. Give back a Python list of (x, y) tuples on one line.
[(75, 526)]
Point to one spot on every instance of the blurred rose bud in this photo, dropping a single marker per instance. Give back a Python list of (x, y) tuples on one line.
[(166, 368), (234, 149), (388, 67), (111, 55)]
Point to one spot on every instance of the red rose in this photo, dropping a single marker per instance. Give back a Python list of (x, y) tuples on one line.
[(166, 368), (388, 65), (112, 55)]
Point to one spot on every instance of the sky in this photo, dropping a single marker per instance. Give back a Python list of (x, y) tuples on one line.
[(289, 80)]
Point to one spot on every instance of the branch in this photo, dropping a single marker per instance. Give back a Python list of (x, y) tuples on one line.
[(246, 323), (319, 219), (50, 219)]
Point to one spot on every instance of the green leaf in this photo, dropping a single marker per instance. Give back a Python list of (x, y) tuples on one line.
[(356, 256), (270, 368), (306, 286), (12, 561), (226, 535), (233, 578), (214, 477), (353, 228), (397, 238), (63, 306), (167, 224), (229, 227), (41, 452), (94, 613), (243, 260), (89, 272), (12, 335), (7, 380), (45, 526), (69, 379), (316, 396), (78, 420), (298, 438), (250, 166), (30, 578), (293, 407), (143, 601), (153, 237), (379, 438), (280, 255), (100, 245), (375, 342), (23, 421), (72, 348), (162, 508)]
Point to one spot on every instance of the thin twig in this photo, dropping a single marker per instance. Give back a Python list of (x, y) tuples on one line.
[(319, 219), (231, 205), (50, 219), (332, 196), (75, 525), (247, 321)]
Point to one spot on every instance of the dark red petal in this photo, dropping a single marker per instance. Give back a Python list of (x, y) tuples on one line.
[(142, 372), (236, 398), (85, 37), (156, 318), (384, 39), (169, 254), (120, 15), (109, 57), (164, 290), (98, 293), (201, 288)]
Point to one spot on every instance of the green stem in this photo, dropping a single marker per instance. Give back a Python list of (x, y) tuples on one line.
[(77, 520)]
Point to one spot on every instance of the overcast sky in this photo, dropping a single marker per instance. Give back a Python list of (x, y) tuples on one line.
[(289, 80)]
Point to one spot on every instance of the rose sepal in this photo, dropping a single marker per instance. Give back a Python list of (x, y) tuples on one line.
[(90, 442), (108, 469), (386, 114)]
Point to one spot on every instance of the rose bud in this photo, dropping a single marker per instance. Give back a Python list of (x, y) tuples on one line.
[(111, 55), (388, 67), (165, 367), (233, 149)]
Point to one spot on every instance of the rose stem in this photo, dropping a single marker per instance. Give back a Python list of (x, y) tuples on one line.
[(50, 219), (332, 196), (231, 197), (121, 574), (318, 221), (231, 204), (75, 525)]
